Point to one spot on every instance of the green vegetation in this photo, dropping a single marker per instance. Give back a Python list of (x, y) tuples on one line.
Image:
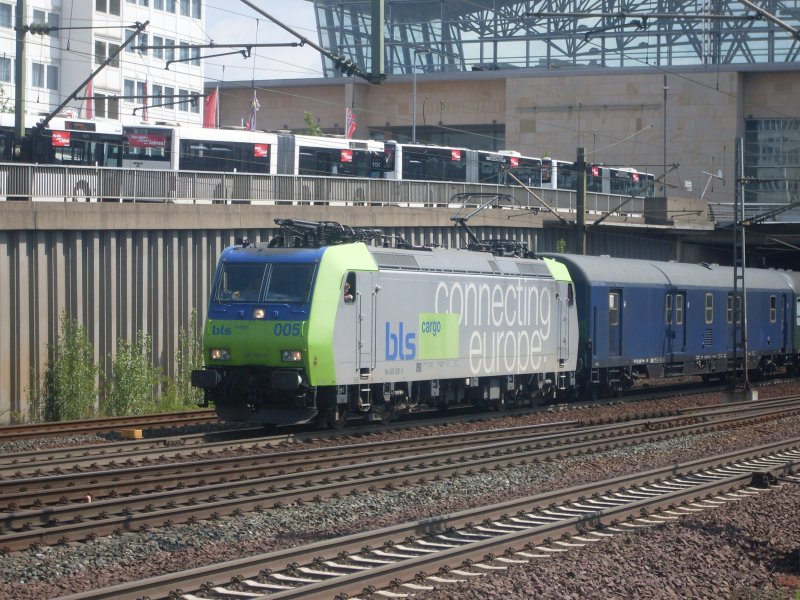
[(72, 386), (312, 126), (134, 379), (70, 377), (561, 245)]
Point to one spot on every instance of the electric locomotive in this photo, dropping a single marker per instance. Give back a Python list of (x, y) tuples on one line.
[(322, 325)]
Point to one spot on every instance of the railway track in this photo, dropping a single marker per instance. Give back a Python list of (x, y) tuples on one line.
[(146, 497), (104, 425), (464, 545)]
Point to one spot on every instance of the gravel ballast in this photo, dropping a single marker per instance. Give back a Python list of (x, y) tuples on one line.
[(707, 559)]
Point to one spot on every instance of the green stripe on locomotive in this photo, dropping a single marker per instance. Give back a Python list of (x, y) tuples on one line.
[(335, 263), (255, 342)]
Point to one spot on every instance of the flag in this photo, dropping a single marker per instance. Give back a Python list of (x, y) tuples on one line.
[(88, 104), (350, 124), (254, 106), (210, 109), (145, 102)]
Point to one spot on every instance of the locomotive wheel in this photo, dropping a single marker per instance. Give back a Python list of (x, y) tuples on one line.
[(383, 412), (333, 419)]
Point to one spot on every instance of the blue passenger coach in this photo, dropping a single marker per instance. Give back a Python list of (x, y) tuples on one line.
[(642, 318)]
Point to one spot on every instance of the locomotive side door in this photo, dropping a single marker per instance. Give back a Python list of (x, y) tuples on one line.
[(366, 299)]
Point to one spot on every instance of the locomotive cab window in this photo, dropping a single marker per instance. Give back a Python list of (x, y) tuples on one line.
[(709, 309), (349, 288), (290, 283), (240, 282)]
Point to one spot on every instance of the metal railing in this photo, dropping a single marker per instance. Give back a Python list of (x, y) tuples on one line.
[(96, 184)]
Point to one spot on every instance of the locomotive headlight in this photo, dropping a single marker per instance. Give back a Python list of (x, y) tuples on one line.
[(259, 313), (220, 354), (291, 355)]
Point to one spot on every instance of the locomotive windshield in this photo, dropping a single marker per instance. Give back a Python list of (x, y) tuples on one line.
[(244, 282), (290, 283)]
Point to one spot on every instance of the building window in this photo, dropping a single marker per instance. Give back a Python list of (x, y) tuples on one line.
[(171, 6), (197, 9), (169, 51), (6, 17), (52, 77), (128, 34), (158, 41), (144, 2), (169, 97), (195, 105), (183, 100), (128, 87), (158, 91), (37, 75), (100, 105), (107, 6), (184, 51), (158, 4), (184, 7), (5, 69), (103, 50), (113, 108), (196, 56), (53, 20), (143, 42)]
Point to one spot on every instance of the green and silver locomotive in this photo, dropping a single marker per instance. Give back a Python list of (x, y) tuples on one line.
[(323, 324)]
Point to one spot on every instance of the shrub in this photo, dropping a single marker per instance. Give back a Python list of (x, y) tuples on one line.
[(71, 375), (134, 379)]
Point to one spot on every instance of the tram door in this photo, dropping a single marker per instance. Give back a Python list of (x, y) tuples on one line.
[(675, 323), (615, 323)]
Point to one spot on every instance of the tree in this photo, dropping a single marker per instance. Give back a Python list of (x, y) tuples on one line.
[(312, 127)]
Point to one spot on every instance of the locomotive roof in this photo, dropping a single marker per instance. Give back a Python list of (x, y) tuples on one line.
[(620, 271), (458, 261)]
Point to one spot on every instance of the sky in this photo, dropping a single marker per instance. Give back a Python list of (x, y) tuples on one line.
[(233, 22)]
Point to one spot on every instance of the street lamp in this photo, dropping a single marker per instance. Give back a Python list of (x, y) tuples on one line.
[(416, 51)]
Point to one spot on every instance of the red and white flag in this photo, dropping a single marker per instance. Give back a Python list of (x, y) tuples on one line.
[(88, 104), (210, 109), (350, 124)]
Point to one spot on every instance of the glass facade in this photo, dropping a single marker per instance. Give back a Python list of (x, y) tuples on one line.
[(473, 35), (771, 161)]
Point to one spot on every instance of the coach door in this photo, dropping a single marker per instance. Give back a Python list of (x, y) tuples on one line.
[(615, 323), (675, 325)]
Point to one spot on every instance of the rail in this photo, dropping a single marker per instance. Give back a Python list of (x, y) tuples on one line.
[(49, 183)]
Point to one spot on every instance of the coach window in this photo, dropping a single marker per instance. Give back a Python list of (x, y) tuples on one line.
[(679, 309), (668, 316), (730, 308), (613, 308), (709, 309), (773, 309)]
